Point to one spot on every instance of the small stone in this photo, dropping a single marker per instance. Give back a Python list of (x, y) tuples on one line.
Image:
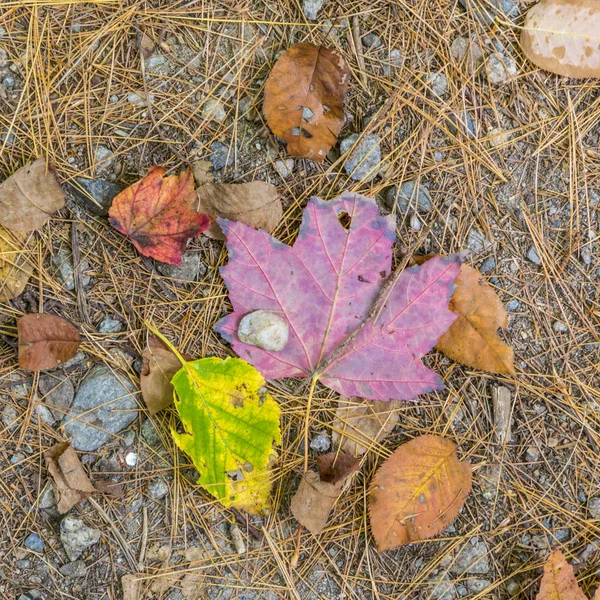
[(513, 588), (371, 41), (415, 224), (532, 454), (9, 82), (594, 507), (395, 59), (43, 413), (74, 570), (104, 159), (407, 195), (47, 500), (34, 542), (157, 65), (485, 11), (30, 594), (131, 459), (96, 195), (513, 305), (220, 157), (284, 167), (488, 265), (3, 57), (10, 417), (477, 242), (498, 137), (467, 48), (472, 559), (158, 489), (63, 268), (476, 586), (439, 83), (76, 536), (190, 268), (138, 100), (110, 325), (128, 438), (246, 109), (114, 98), (320, 443), (104, 405), (364, 162), (442, 588), (311, 8), (533, 256), (586, 255), (264, 329), (214, 110), (560, 327), (149, 433), (500, 68)]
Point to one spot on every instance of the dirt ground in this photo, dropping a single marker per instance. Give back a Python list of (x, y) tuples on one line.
[(520, 170)]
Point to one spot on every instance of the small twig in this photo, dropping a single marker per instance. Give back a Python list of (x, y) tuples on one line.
[(140, 566), (358, 48), (253, 531), (81, 297), (296, 555)]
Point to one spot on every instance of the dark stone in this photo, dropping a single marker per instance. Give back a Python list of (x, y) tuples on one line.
[(96, 195), (220, 157), (486, 11)]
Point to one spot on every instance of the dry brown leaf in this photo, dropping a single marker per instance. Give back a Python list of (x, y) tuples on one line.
[(201, 172), (109, 487), (46, 341), (132, 587), (256, 204), (317, 494), (360, 424), (158, 367), (558, 581), (71, 483), (146, 45), (29, 197), (15, 271), (304, 99), (561, 36), (417, 492)]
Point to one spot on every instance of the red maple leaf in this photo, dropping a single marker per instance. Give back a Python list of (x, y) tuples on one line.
[(155, 213)]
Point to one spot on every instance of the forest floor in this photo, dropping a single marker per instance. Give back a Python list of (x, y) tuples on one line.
[(516, 183)]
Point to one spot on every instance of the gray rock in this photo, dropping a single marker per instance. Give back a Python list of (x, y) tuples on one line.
[(439, 83), (364, 162), (477, 586), (513, 588), (500, 68), (498, 137), (408, 194), (533, 256), (464, 123), (110, 325), (57, 393), (246, 109), (485, 11), (76, 536), (594, 507), (586, 255), (560, 327), (157, 64), (31, 594), (213, 110), (74, 570), (311, 8), (104, 405), (467, 48), (321, 443), (472, 559), (158, 489), (190, 268), (488, 265), (10, 417), (9, 82), (371, 40), (477, 242), (415, 223), (104, 158), (532, 454), (395, 59), (139, 100), (220, 157), (149, 433), (3, 57), (63, 268), (34, 542), (43, 413), (47, 499), (96, 195), (284, 167), (513, 305), (442, 588)]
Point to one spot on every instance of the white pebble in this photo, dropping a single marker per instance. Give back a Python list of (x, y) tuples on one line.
[(131, 459), (415, 223), (264, 329)]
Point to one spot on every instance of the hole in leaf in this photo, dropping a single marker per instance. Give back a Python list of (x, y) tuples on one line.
[(345, 220), (301, 131)]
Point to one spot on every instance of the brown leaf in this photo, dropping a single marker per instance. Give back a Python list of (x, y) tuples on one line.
[(46, 341), (561, 36), (71, 483), (360, 424), (158, 367), (15, 271), (558, 581), (146, 45), (315, 497), (201, 172), (304, 99), (417, 492), (109, 487), (29, 197), (256, 204), (155, 213), (132, 586)]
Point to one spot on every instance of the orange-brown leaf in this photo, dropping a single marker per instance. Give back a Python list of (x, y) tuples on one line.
[(558, 581), (156, 214), (304, 99), (417, 492), (473, 339), (46, 341)]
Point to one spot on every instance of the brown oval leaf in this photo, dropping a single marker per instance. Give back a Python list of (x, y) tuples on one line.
[(256, 204), (304, 99), (417, 492), (472, 339), (29, 197), (559, 582), (15, 271), (561, 36), (46, 341), (156, 214)]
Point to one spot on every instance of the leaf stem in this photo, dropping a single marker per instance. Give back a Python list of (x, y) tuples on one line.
[(313, 382), (164, 340)]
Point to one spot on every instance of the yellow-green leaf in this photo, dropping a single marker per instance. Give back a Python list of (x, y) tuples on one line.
[(231, 425)]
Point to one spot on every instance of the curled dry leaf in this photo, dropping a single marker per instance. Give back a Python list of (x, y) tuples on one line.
[(156, 214), (561, 36), (558, 581), (317, 493), (360, 424), (29, 197), (304, 99), (15, 271), (256, 204), (417, 492), (46, 341), (71, 483)]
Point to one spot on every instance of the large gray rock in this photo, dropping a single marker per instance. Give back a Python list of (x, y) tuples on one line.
[(58, 393), (191, 266), (76, 536), (104, 405), (364, 163)]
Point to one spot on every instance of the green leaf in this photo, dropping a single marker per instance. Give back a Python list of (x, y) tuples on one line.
[(230, 424)]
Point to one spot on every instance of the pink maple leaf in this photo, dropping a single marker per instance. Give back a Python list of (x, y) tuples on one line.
[(347, 327)]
